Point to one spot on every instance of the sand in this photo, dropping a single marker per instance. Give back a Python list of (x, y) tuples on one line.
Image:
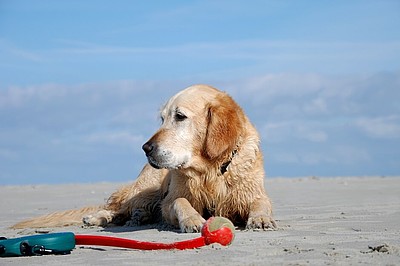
[(322, 221)]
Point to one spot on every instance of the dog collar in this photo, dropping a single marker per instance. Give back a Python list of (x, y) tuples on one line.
[(224, 166)]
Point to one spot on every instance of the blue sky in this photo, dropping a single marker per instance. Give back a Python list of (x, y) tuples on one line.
[(81, 82)]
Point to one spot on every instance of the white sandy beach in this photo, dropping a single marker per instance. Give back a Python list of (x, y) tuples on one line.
[(322, 221)]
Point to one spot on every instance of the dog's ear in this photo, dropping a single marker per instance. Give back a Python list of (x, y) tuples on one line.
[(225, 123)]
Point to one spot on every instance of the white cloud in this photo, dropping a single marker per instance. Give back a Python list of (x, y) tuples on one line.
[(284, 157), (339, 156), (380, 127), (272, 86), (312, 134), (317, 105), (15, 96), (351, 155), (313, 158), (304, 157), (294, 130)]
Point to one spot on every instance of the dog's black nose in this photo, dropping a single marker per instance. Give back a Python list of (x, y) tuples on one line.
[(148, 147)]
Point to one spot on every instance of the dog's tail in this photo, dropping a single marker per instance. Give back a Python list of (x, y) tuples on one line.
[(59, 219)]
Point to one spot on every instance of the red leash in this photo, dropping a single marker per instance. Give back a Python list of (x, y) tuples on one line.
[(215, 230)]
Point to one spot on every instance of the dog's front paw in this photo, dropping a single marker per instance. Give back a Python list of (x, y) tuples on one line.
[(192, 224), (261, 221)]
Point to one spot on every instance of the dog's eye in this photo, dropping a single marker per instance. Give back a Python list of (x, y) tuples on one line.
[(180, 117)]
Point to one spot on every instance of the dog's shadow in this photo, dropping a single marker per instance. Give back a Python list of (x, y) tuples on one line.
[(161, 227)]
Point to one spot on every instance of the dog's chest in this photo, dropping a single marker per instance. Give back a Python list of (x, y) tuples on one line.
[(209, 195)]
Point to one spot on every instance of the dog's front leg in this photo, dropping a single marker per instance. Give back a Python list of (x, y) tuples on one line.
[(181, 213), (260, 216)]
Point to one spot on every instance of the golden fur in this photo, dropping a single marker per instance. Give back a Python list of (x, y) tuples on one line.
[(205, 160)]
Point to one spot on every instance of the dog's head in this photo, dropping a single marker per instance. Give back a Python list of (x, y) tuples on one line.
[(199, 124)]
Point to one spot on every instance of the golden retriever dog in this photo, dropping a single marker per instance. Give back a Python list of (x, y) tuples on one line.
[(204, 160)]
